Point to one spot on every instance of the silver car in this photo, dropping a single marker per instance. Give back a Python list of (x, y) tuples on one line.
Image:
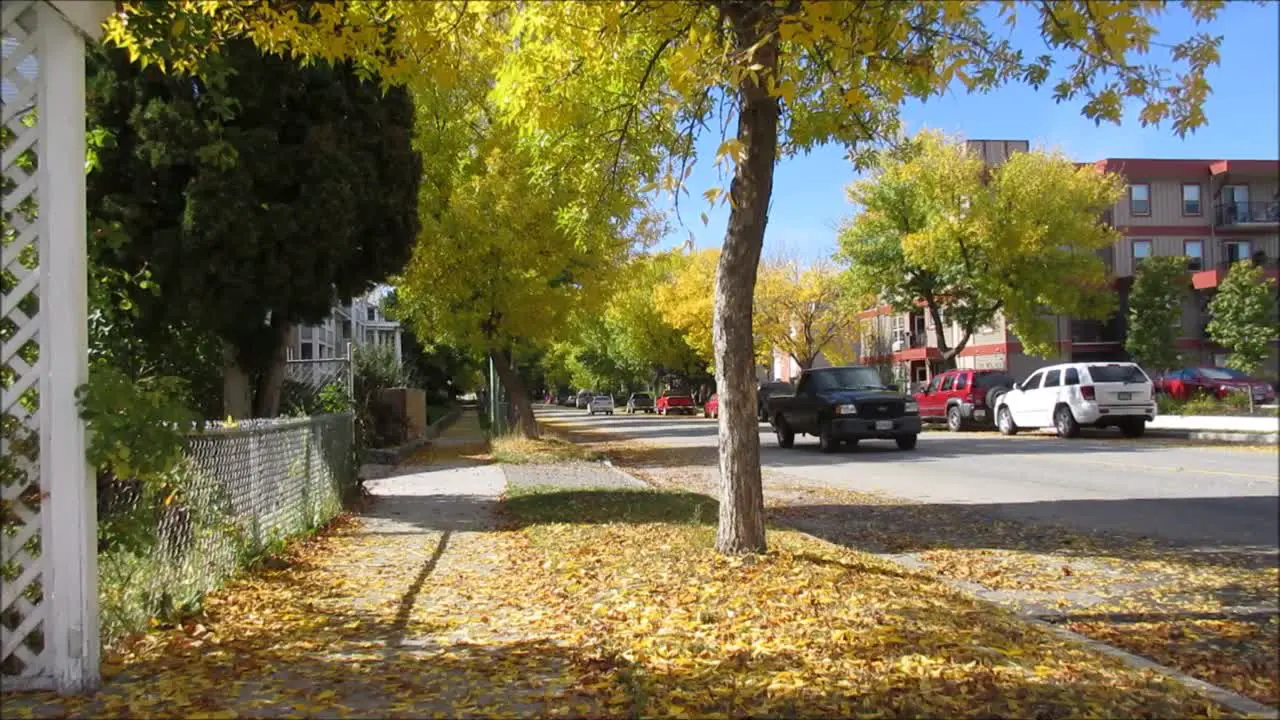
[(639, 402), (601, 404)]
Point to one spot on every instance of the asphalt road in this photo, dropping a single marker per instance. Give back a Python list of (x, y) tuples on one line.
[(1202, 495)]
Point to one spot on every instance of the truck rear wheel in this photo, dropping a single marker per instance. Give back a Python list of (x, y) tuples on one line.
[(786, 436), (907, 442)]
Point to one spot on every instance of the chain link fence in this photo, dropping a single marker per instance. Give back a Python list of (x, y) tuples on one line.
[(240, 491)]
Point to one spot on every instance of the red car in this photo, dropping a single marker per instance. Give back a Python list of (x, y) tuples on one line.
[(712, 407), (668, 404), (1218, 382), (962, 397)]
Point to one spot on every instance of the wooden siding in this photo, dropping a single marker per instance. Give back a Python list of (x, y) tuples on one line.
[(1166, 203)]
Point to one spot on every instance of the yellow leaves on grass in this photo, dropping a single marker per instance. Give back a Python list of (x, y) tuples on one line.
[(812, 630)]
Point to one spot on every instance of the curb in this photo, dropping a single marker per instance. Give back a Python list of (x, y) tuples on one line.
[(396, 455), (1217, 436), (1227, 698)]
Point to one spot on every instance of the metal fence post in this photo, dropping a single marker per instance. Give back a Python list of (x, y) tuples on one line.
[(351, 372)]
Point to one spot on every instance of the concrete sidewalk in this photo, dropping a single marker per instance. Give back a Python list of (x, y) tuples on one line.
[(1250, 430)]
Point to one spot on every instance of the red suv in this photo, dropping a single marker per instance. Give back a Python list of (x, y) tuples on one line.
[(962, 397), (668, 404)]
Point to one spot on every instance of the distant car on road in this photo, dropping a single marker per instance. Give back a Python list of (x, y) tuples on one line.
[(844, 404), (601, 404), (1070, 395), (1218, 382), (639, 402), (675, 403), (711, 408), (963, 397)]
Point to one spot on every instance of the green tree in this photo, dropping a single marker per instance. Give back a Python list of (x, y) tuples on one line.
[(646, 342), (1155, 311), (253, 195), (1244, 316), (938, 227)]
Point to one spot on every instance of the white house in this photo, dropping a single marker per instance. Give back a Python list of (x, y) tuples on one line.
[(362, 322)]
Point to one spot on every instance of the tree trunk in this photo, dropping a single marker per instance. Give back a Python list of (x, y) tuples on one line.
[(521, 408), (267, 401), (947, 354), (237, 399), (741, 528)]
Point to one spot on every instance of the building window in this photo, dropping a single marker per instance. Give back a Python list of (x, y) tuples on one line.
[(307, 352), (1237, 250), (1141, 250), (1191, 199), (1194, 251), (306, 332), (1140, 199), (371, 314)]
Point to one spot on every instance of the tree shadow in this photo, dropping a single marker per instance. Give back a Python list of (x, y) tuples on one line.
[(595, 507), (1248, 540)]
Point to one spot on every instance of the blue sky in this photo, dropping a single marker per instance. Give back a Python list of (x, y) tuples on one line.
[(809, 191)]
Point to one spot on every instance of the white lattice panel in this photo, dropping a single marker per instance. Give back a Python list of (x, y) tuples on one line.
[(23, 656)]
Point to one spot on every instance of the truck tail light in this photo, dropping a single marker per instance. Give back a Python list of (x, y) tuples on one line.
[(1086, 392)]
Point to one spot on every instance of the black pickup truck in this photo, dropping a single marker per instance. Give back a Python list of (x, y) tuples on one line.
[(844, 404)]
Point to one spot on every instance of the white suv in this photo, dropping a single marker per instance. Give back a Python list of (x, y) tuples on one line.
[(601, 404), (1067, 396)]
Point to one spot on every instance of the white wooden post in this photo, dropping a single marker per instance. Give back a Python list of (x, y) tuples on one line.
[(70, 509)]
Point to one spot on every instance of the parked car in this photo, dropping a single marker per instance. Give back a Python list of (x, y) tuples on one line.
[(601, 404), (677, 403), (1218, 382), (844, 404), (765, 391), (711, 408), (639, 402), (1070, 395), (962, 397), (583, 399)]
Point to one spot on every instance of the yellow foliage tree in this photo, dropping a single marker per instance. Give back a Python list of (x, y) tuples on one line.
[(685, 301), (803, 311), (610, 91)]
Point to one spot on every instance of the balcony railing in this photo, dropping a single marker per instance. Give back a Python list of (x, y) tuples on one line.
[(1247, 213)]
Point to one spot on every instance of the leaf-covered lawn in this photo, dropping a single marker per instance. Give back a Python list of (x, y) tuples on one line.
[(603, 603), (1212, 615)]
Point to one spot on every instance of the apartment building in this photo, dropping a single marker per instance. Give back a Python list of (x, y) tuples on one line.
[(360, 322), (1212, 212)]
